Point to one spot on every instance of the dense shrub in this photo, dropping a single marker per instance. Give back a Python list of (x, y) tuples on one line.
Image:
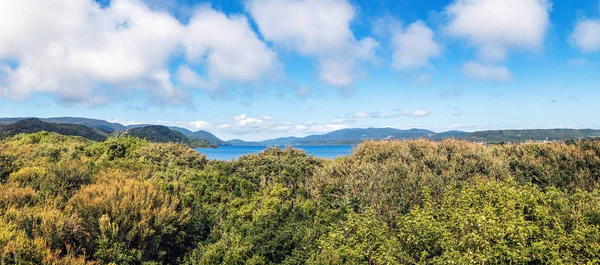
[(67, 200), (7, 166), (133, 217)]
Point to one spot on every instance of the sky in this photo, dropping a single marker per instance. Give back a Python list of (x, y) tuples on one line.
[(259, 69)]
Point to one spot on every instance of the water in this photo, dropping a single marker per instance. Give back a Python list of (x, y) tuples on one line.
[(227, 153)]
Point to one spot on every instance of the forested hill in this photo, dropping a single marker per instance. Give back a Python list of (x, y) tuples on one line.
[(200, 135), (356, 136), (93, 123), (33, 125), (162, 134), (532, 135)]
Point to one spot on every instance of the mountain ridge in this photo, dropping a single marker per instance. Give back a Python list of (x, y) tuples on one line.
[(33, 125), (163, 134), (339, 137)]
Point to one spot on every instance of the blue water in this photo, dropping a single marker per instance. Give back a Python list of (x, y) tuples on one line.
[(227, 153)]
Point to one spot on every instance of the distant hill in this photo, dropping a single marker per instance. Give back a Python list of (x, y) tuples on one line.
[(200, 135), (531, 135), (100, 129), (98, 124), (110, 127), (162, 134), (355, 136), (33, 125)]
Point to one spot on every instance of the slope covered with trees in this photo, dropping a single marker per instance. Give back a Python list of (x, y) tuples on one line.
[(68, 200), (162, 134), (33, 125), (93, 123)]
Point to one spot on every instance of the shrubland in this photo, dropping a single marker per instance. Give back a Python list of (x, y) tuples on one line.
[(68, 200)]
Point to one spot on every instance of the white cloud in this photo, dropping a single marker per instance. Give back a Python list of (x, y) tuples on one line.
[(228, 47), (420, 113), (200, 125), (487, 72), (496, 26), (586, 35), (395, 114), (414, 47), (244, 120), (70, 47), (88, 55), (317, 28)]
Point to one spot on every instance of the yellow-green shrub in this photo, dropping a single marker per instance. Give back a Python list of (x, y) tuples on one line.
[(149, 222)]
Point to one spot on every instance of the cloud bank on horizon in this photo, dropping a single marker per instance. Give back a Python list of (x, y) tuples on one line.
[(95, 53)]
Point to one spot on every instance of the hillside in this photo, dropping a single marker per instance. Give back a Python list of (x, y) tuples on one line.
[(93, 123), (200, 135), (356, 136), (531, 135), (32, 125), (162, 134)]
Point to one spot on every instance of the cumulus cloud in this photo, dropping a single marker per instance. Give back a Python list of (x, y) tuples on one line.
[(86, 54), (245, 121), (227, 46), (586, 35), (496, 26), (317, 28), (414, 46), (69, 47), (487, 72)]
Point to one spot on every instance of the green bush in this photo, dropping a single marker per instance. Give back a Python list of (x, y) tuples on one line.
[(140, 221), (67, 200)]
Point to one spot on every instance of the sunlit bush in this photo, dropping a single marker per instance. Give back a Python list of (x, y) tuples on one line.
[(134, 218)]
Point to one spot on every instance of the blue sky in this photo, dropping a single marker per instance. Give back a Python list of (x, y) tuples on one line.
[(260, 69)]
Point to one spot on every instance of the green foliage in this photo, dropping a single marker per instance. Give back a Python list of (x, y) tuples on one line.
[(502, 223), (68, 200), (361, 239), (134, 217), (35, 125), (162, 134), (503, 136), (6, 166), (120, 147)]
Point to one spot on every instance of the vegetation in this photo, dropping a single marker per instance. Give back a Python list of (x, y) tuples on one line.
[(162, 134), (200, 135), (93, 123), (357, 136), (33, 125), (532, 135), (69, 200)]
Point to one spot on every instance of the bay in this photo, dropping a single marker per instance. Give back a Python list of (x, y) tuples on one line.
[(226, 153)]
